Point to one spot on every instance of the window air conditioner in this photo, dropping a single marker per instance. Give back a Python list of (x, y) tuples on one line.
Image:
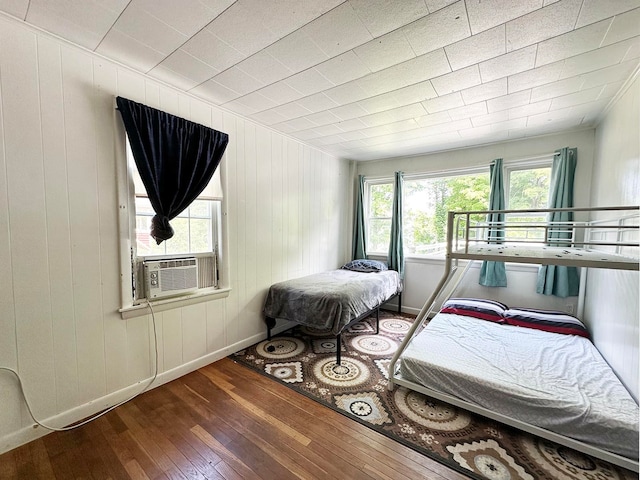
[(164, 278)]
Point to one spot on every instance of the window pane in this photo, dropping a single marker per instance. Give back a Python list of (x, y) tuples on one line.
[(143, 206), (529, 188), (201, 236), (379, 235), (426, 203), (200, 209), (380, 200), (179, 243)]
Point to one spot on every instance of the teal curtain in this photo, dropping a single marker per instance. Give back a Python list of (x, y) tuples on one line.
[(396, 251), (559, 280), (359, 232), (493, 274)]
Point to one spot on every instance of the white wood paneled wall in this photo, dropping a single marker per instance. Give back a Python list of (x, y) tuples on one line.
[(612, 308), (287, 206)]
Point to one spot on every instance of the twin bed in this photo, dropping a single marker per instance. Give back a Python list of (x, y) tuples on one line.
[(546, 378)]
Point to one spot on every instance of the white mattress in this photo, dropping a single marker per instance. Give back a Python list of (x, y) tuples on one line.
[(557, 382)]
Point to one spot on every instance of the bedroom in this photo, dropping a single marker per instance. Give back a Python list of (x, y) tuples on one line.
[(61, 287)]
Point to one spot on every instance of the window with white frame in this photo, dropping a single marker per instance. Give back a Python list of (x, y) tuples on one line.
[(427, 199), (197, 231)]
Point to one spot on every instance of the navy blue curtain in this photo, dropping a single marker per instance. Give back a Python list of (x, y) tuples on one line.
[(176, 159), (359, 231)]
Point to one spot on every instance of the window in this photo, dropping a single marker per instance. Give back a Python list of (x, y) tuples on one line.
[(197, 232), (427, 199)]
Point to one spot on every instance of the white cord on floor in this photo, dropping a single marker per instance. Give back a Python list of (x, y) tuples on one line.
[(104, 412)]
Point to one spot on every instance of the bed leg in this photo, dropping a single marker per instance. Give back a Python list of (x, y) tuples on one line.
[(338, 344), (400, 302), (271, 322), (378, 320)]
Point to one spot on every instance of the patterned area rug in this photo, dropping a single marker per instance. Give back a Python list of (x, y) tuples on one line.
[(304, 359)]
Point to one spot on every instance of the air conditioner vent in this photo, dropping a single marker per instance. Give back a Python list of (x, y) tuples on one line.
[(165, 278)]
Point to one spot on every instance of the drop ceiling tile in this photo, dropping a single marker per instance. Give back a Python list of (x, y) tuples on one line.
[(434, 119), (448, 127), (382, 16), (173, 78), (298, 124), (235, 79), (214, 92), (212, 50), (542, 24), (187, 66), (497, 117), (438, 29), (309, 82), (351, 135), (435, 5), (595, 10), (343, 68), (347, 93), (285, 16), (323, 118), (445, 102), (509, 101), (268, 117), (186, 16), (415, 110), (404, 74), (596, 59), (297, 51), (572, 43), (418, 92), (327, 130), (379, 103), (530, 109), (557, 89), (493, 89), (610, 90), (241, 27), (535, 77), (338, 30), (251, 103), (578, 98), (457, 80), (84, 23), (291, 110), (385, 51), (484, 14), (129, 51), (139, 24), (349, 111), (615, 73), (280, 93), (633, 50), (468, 111), (331, 139), (624, 26), (317, 102), (549, 118), (264, 67), (475, 49), (508, 64), (17, 8)]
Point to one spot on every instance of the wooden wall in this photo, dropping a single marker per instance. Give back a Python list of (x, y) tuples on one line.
[(287, 207)]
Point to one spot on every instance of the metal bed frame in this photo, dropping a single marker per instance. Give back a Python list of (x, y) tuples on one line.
[(460, 246)]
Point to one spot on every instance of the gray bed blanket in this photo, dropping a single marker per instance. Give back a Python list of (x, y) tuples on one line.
[(330, 300)]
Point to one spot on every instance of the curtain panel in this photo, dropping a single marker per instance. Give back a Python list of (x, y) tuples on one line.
[(176, 159), (359, 230), (396, 250), (493, 274), (559, 280)]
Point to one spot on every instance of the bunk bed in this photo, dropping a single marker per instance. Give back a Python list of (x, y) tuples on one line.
[(461, 358), (334, 300)]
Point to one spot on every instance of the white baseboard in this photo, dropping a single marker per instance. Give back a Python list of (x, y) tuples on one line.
[(33, 432)]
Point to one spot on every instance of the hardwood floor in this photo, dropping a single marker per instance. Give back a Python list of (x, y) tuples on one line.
[(220, 422)]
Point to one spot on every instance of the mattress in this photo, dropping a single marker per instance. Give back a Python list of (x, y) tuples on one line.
[(331, 300), (554, 381)]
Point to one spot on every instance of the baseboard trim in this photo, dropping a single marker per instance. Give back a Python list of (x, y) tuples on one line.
[(33, 432)]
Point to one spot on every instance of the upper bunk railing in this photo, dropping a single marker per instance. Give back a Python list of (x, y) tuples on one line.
[(528, 234)]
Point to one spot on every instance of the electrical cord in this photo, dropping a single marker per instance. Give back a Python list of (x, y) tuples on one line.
[(104, 412)]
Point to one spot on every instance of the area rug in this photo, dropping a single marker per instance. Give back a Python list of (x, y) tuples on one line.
[(304, 359)]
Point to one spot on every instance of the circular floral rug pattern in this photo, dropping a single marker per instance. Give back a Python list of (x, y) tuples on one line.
[(304, 359)]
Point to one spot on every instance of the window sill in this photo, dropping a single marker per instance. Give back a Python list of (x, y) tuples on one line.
[(175, 302)]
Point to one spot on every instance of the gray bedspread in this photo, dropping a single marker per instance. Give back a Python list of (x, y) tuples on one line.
[(330, 300)]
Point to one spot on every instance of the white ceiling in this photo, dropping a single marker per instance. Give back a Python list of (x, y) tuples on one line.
[(369, 79)]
